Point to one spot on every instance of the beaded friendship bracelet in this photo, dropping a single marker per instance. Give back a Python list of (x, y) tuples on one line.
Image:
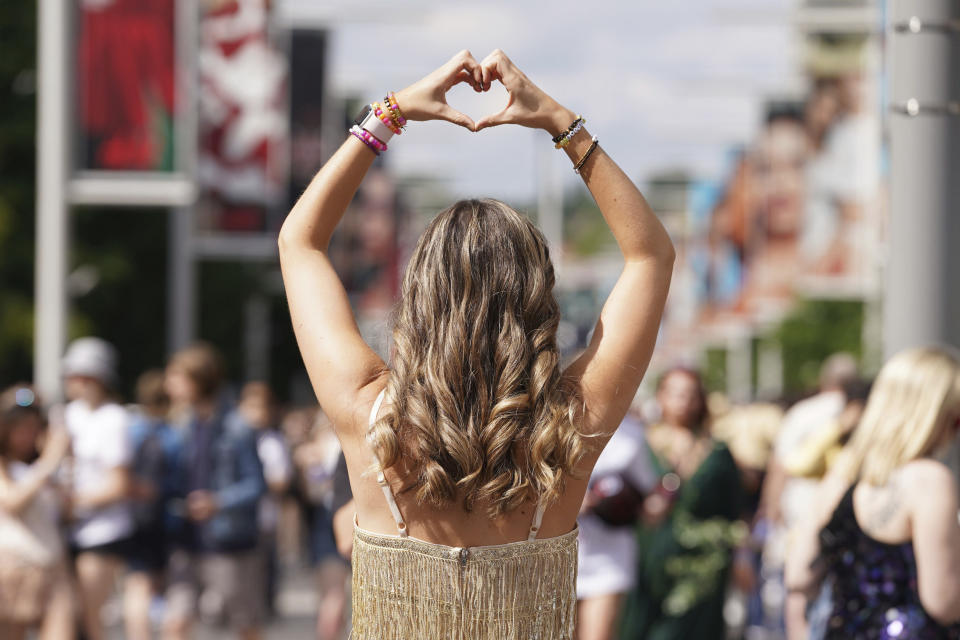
[(383, 117), (368, 139), (564, 138), (586, 156), (393, 107)]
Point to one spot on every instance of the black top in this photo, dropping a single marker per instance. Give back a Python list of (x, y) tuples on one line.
[(874, 584)]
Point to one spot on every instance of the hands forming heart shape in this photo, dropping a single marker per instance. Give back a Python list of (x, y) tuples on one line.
[(527, 104)]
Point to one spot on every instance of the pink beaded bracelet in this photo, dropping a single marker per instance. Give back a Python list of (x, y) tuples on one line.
[(385, 118), (368, 139)]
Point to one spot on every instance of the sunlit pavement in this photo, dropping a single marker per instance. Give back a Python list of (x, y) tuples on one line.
[(295, 619)]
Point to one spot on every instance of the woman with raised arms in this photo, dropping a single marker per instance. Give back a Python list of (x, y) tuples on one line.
[(470, 452)]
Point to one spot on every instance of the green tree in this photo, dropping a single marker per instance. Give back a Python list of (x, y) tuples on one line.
[(814, 330)]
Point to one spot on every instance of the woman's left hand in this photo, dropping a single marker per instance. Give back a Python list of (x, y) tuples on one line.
[(426, 99)]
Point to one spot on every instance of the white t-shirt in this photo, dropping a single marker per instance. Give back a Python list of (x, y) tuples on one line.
[(101, 442), (33, 534), (607, 561)]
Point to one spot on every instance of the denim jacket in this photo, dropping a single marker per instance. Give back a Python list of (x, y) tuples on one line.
[(235, 478)]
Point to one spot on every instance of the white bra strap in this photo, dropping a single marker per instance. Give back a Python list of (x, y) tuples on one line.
[(537, 520), (376, 406), (382, 481), (392, 503)]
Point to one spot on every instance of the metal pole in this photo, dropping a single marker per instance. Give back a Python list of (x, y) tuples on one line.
[(182, 258), (52, 247), (922, 305)]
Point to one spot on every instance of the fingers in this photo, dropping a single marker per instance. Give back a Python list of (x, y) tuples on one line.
[(486, 77), (450, 114), (463, 76), (497, 66), (465, 62)]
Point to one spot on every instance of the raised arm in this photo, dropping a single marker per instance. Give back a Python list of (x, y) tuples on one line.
[(611, 368), (340, 364), (15, 496)]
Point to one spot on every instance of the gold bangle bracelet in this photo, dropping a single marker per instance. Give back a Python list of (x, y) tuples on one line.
[(586, 156)]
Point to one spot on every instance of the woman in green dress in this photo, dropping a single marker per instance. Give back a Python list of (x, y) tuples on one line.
[(690, 525)]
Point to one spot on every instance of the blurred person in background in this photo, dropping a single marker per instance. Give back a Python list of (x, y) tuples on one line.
[(102, 455), (154, 450), (787, 499), (293, 535), (216, 485), (883, 526), (690, 523), (749, 431), (607, 556), (317, 461), (814, 457), (35, 587), (344, 509), (258, 407)]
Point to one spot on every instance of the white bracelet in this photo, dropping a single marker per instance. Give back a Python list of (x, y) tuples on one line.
[(376, 128)]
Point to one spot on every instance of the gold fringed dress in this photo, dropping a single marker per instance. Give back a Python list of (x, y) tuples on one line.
[(410, 589)]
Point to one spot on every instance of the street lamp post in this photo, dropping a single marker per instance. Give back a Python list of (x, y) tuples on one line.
[(52, 231), (922, 302)]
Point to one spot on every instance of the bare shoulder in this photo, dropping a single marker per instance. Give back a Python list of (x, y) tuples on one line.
[(928, 476), (931, 485)]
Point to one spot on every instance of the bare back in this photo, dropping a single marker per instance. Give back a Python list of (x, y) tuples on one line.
[(455, 526)]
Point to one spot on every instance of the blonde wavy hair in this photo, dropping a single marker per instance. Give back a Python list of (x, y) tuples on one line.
[(476, 404), (911, 407)]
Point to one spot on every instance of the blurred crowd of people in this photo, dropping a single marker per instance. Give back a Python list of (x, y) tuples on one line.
[(697, 508), (194, 501), (172, 507)]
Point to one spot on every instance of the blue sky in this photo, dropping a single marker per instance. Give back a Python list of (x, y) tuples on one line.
[(663, 84)]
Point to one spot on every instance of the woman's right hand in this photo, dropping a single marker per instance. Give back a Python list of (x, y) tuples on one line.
[(528, 105)]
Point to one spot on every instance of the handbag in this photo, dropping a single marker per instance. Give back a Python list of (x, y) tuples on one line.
[(616, 501)]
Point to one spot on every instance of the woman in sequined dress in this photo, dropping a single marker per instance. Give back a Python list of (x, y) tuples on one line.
[(886, 536)]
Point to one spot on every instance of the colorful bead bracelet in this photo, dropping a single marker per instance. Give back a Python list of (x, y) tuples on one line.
[(368, 139), (385, 118), (390, 101)]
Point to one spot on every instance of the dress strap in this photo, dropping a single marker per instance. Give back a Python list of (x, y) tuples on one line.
[(537, 519), (382, 481), (376, 406)]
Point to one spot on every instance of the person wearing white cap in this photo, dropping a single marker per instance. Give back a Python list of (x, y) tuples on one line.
[(103, 521)]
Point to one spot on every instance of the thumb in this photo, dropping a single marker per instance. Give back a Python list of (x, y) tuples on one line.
[(503, 117), (450, 114)]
